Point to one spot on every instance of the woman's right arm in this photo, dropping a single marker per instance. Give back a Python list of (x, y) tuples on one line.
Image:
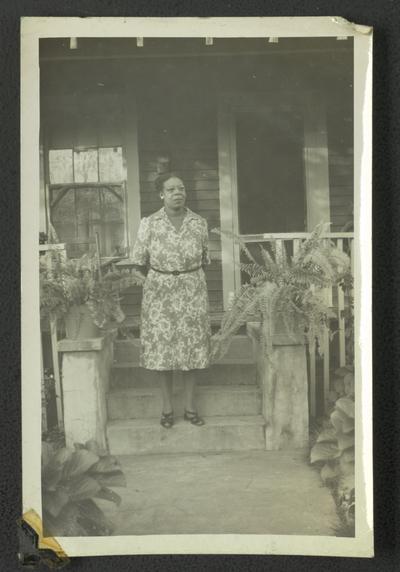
[(140, 253), (139, 272)]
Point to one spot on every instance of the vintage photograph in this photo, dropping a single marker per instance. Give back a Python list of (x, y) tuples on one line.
[(198, 299)]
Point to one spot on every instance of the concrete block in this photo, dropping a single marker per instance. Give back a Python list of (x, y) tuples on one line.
[(285, 398), (138, 436), (85, 385), (141, 403)]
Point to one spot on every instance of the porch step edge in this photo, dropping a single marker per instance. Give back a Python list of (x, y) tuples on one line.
[(212, 401), (212, 421), (201, 388), (146, 436)]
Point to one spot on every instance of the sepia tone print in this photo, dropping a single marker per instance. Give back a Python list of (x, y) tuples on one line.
[(198, 287), (263, 136)]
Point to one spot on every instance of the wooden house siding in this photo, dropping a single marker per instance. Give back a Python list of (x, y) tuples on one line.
[(341, 162)]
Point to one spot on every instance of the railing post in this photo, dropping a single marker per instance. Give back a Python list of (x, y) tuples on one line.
[(342, 333), (56, 373), (296, 245), (44, 403), (313, 381)]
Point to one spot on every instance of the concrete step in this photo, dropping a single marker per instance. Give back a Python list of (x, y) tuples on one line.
[(240, 351), (136, 436), (125, 375), (211, 400)]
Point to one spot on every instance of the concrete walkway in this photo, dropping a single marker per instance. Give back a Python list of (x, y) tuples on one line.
[(256, 492)]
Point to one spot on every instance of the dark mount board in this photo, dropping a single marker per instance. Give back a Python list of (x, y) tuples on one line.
[(385, 18)]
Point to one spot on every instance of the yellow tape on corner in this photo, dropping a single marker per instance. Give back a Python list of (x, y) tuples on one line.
[(32, 518)]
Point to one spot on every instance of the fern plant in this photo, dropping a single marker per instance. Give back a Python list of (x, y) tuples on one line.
[(68, 282), (285, 290)]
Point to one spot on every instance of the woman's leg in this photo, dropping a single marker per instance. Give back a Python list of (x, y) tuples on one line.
[(189, 379), (189, 382), (165, 382)]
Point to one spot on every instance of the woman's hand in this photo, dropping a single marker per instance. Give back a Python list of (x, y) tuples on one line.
[(138, 275)]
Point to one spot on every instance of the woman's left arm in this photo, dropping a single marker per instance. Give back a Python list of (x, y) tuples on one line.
[(205, 259)]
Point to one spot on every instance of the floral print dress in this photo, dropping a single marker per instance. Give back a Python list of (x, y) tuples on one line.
[(175, 329)]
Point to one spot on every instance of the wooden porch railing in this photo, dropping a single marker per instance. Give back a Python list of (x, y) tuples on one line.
[(336, 300)]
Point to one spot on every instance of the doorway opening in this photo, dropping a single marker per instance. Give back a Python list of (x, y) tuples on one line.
[(270, 173)]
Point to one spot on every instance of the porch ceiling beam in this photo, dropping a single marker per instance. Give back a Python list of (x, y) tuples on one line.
[(273, 51)]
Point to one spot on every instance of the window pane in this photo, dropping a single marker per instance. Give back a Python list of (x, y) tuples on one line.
[(79, 212), (86, 166), (88, 216), (63, 213), (110, 159), (113, 237), (60, 166)]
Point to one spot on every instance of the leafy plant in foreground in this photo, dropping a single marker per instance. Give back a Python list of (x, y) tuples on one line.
[(334, 450), (73, 484)]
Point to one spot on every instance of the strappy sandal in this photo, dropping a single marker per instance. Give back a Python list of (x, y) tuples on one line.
[(167, 420), (193, 418)]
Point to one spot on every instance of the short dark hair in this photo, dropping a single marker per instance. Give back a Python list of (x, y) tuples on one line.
[(161, 179)]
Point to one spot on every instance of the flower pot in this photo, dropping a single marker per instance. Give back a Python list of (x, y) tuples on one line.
[(79, 324)]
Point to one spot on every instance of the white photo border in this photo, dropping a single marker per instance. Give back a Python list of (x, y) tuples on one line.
[(34, 28)]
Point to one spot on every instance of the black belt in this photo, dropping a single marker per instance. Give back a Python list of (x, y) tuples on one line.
[(175, 272)]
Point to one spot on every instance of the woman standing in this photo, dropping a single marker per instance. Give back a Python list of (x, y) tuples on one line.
[(175, 330)]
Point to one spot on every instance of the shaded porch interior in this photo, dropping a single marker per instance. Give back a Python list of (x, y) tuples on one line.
[(115, 114)]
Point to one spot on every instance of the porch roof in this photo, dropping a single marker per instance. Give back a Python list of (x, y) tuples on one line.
[(54, 49)]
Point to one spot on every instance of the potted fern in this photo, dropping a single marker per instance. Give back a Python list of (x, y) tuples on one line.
[(76, 291), (287, 295)]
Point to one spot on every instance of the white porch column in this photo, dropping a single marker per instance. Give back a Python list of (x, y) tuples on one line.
[(228, 200), (316, 163), (132, 165)]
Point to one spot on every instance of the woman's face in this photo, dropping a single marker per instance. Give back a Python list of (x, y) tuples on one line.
[(173, 193)]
